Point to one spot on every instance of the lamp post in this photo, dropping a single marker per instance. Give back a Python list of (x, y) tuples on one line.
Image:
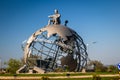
[(0, 64), (87, 45), (88, 50)]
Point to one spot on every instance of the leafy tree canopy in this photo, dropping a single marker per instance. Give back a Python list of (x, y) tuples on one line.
[(13, 65)]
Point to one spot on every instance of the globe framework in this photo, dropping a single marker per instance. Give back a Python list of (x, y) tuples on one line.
[(54, 47)]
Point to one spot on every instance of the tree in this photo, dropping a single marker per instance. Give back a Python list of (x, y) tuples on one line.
[(13, 65), (99, 67), (112, 68)]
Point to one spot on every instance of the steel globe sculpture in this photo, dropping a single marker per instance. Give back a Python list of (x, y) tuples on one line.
[(54, 46)]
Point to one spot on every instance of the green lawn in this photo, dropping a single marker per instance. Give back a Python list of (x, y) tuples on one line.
[(73, 79), (87, 79), (60, 74), (65, 74)]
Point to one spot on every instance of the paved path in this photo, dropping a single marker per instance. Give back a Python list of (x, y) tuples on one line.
[(39, 77)]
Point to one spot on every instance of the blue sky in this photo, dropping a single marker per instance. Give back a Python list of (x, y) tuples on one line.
[(94, 20)]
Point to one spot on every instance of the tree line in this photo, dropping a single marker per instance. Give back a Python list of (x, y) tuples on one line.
[(14, 64)]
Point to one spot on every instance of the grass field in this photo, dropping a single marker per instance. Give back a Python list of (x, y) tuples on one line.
[(60, 74), (64, 75), (87, 79)]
